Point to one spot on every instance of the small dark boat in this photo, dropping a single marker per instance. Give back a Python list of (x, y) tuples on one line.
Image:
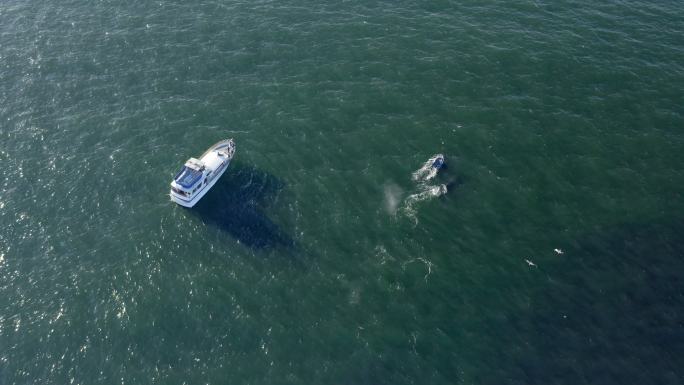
[(438, 162)]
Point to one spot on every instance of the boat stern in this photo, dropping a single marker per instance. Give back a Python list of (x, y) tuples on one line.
[(180, 196)]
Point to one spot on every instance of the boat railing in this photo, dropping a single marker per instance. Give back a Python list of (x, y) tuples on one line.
[(226, 142)]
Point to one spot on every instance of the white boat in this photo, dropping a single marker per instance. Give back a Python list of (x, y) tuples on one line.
[(199, 175)]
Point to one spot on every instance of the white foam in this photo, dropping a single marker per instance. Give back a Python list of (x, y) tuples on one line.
[(427, 192)]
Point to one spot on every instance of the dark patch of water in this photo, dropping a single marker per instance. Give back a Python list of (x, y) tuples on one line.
[(612, 312), (236, 202)]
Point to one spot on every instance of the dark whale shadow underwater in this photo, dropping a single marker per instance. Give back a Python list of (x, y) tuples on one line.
[(235, 206)]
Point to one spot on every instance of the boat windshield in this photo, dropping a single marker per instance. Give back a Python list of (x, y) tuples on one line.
[(187, 177)]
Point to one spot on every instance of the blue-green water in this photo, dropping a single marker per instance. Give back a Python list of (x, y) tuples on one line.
[(306, 264)]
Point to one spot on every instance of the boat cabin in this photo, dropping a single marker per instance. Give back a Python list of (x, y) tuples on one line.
[(189, 178)]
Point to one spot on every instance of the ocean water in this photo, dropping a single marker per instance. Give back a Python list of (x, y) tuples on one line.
[(556, 255)]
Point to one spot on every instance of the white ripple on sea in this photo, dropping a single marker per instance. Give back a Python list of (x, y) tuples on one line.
[(427, 192)]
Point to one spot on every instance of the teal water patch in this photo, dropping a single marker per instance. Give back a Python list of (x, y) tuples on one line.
[(561, 123)]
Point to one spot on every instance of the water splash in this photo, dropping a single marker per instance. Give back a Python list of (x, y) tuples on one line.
[(425, 191), (392, 197), (428, 192)]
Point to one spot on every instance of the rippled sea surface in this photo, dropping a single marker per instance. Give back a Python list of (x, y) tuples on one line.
[(555, 257)]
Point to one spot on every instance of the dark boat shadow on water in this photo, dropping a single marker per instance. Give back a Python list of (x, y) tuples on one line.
[(235, 205)]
